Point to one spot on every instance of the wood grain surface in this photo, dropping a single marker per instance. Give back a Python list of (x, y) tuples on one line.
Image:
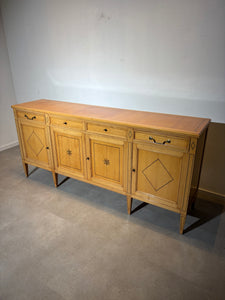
[(167, 122)]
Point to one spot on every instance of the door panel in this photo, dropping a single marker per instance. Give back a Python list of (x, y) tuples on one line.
[(157, 174), (69, 155), (34, 141), (107, 161)]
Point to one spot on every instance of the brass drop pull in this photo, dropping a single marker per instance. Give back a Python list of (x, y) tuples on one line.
[(69, 152), (106, 162), (105, 129), (154, 141), (28, 118), (65, 123)]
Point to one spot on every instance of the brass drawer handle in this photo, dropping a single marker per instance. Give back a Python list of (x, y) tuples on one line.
[(26, 116), (154, 141)]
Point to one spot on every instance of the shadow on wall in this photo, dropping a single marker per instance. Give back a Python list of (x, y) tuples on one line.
[(117, 95), (212, 175)]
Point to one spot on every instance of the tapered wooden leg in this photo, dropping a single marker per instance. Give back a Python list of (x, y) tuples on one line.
[(182, 222), (25, 166), (129, 204), (55, 178)]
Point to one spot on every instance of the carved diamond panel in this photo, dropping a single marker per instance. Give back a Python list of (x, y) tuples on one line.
[(157, 175), (35, 143)]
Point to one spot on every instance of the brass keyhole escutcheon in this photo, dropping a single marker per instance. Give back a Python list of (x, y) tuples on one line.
[(106, 162), (69, 152)]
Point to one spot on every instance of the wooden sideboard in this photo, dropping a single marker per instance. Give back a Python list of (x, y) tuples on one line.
[(152, 157)]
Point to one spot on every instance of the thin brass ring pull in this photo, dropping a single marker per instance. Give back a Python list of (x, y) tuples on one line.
[(26, 116), (154, 141)]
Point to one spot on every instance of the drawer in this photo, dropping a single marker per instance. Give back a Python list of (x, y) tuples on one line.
[(163, 140), (106, 129), (66, 123), (31, 116)]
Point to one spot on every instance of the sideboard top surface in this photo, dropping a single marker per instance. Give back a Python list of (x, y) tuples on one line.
[(172, 123)]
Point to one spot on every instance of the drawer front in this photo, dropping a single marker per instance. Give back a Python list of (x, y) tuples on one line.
[(108, 130), (163, 140), (31, 116), (66, 123)]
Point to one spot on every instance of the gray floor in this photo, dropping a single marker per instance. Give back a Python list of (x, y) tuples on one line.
[(77, 242)]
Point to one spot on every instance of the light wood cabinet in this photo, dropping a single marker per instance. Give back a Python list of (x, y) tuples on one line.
[(155, 158)]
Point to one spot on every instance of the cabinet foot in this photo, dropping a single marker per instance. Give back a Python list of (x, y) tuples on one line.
[(55, 178), (129, 204), (25, 166), (182, 222)]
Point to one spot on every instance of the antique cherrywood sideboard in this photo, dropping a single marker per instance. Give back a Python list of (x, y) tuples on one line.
[(153, 157)]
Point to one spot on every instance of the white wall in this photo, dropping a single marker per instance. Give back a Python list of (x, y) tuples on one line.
[(8, 137), (166, 56)]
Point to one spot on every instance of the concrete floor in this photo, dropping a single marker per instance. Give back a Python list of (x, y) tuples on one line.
[(77, 242)]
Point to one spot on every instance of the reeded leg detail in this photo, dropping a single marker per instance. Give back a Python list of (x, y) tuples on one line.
[(55, 178), (129, 204), (25, 166), (182, 222)]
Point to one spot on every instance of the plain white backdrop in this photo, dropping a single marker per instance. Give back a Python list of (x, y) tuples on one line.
[(164, 56)]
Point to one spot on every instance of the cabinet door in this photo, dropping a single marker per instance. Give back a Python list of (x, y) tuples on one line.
[(68, 152), (35, 146), (107, 165), (158, 176)]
